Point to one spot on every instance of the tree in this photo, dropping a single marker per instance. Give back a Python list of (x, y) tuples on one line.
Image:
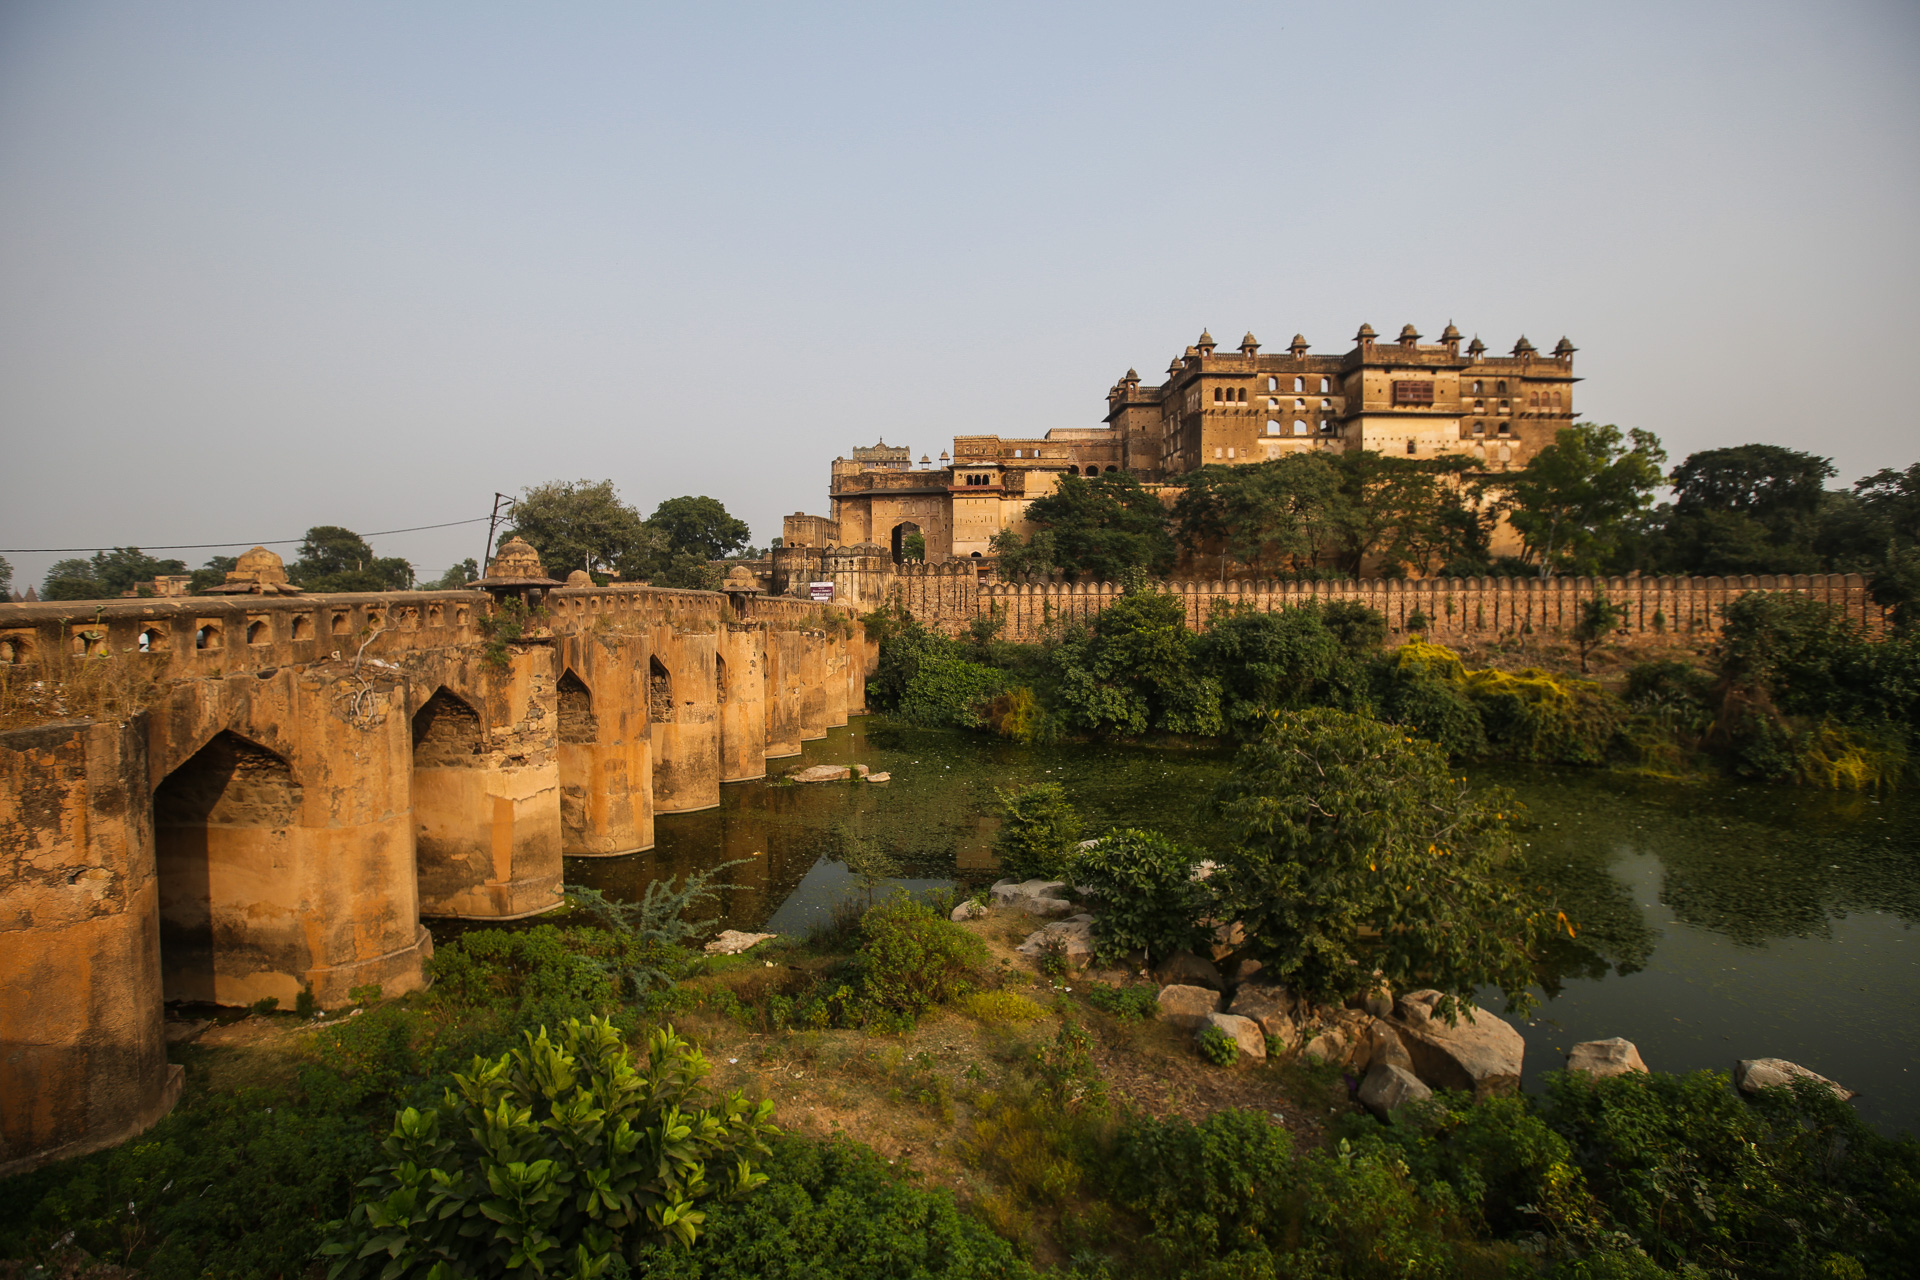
[(1571, 504), (1134, 670), (1752, 508), (1597, 619), (913, 548), (1277, 517), (583, 524), (212, 573), (1354, 849), (1407, 513), (1286, 658), (1103, 528), (456, 577), (105, 574), (699, 527), (337, 559), (6, 577)]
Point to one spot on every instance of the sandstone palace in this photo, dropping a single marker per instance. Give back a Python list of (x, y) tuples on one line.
[(1214, 409)]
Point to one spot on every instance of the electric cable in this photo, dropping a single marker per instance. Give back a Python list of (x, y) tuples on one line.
[(214, 546)]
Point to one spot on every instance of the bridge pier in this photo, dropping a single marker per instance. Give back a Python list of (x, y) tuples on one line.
[(686, 729), (742, 701), (83, 1055), (785, 655), (813, 691), (606, 752)]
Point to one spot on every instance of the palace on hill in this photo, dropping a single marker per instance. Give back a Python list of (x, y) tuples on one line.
[(1215, 408)]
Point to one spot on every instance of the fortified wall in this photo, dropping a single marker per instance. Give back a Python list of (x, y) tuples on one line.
[(251, 795), (950, 596)]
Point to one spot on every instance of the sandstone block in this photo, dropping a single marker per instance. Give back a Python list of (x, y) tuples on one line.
[(1613, 1057), (969, 911), (822, 773), (1075, 934), (1245, 1032), (1480, 1053), (1755, 1074), (878, 777), (1186, 1006), (1387, 1088), (1271, 1007)]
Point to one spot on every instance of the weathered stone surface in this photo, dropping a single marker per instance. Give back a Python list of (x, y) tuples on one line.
[(1075, 934), (1245, 1032), (969, 911), (1385, 1046), (1187, 969), (822, 773), (1388, 1087), (1032, 897), (1186, 1006), (1340, 1036), (878, 777), (1271, 1007), (1480, 1053), (1378, 1002), (1613, 1057), (731, 942), (1755, 1074)]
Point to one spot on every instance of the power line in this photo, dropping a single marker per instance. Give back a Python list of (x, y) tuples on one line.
[(214, 546)]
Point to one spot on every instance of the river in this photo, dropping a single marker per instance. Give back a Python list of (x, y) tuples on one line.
[(1717, 922)]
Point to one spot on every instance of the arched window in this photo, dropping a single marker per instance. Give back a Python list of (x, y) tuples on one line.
[(1094, 471), (1273, 404), (1112, 470), (1505, 453), (1299, 406), (1479, 428), (1533, 400), (1241, 397), (339, 624), (153, 640), (659, 693), (1299, 426), (1476, 388), (1410, 446), (259, 633), (1273, 384), (1500, 387), (1273, 428), (1219, 394), (1299, 384), (1323, 386), (207, 637)]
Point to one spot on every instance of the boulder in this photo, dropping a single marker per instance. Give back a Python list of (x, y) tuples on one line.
[(1187, 969), (878, 777), (1245, 969), (1244, 1032), (822, 773), (1340, 1037), (1377, 1002), (732, 942), (860, 769), (1755, 1074), (1613, 1057), (1388, 1087), (1185, 1006), (968, 911), (1032, 897), (1384, 1046), (1075, 934), (1480, 1053), (1271, 1007)]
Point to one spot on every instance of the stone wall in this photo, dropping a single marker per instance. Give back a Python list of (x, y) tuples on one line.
[(949, 596)]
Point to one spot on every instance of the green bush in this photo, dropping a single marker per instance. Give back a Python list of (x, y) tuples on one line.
[(554, 1156), (1038, 830), (1129, 1004), (1217, 1047), (997, 1007), (950, 692), (1147, 899), (911, 959)]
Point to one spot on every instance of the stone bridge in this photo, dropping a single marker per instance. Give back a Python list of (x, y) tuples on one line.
[(224, 798)]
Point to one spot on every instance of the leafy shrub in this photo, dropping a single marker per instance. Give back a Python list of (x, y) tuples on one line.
[(995, 1007), (950, 692), (557, 972), (1147, 897), (1129, 1004), (1135, 670), (1217, 1047), (911, 959), (554, 1155), (1038, 829)]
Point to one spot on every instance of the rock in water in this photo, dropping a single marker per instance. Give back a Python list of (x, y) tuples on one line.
[(878, 777), (1755, 1074), (822, 773), (1387, 1088), (1244, 1032), (732, 942), (1185, 1006), (1613, 1057), (1480, 1053), (1187, 969)]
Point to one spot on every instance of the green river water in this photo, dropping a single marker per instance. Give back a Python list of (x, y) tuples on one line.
[(1716, 922)]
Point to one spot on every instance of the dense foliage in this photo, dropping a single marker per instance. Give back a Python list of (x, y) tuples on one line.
[(585, 524), (1147, 899), (336, 559), (104, 574), (1104, 528), (1038, 831)]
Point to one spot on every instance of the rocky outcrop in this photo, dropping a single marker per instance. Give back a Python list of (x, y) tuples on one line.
[(821, 773), (1187, 969), (1074, 936), (1480, 1053), (1600, 1058), (1032, 897), (1339, 1036), (968, 911), (1388, 1087), (731, 942), (1244, 1032), (1271, 1007), (1185, 1006), (1755, 1074)]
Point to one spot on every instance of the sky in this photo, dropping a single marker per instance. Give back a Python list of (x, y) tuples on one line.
[(269, 266)]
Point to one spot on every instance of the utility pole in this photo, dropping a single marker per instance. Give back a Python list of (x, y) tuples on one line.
[(493, 523)]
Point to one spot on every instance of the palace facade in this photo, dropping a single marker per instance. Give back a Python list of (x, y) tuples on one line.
[(1406, 397)]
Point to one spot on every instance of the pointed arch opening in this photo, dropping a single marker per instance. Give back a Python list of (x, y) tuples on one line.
[(222, 833), (659, 693)]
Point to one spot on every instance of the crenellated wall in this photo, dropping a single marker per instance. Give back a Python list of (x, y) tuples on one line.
[(281, 787), (950, 596)]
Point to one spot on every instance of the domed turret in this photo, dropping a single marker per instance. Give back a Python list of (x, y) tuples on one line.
[(258, 565), (1366, 335), (1408, 335), (1564, 349), (1249, 344), (1206, 344), (516, 559), (1476, 348), (1523, 348), (1299, 345)]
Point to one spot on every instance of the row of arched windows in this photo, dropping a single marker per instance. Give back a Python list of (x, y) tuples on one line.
[(1299, 385)]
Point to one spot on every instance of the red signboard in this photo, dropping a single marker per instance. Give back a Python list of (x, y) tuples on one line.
[(820, 590)]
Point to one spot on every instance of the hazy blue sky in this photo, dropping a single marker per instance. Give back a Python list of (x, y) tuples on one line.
[(267, 266)]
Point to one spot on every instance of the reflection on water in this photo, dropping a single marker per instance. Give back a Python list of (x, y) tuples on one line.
[(1715, 922)]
